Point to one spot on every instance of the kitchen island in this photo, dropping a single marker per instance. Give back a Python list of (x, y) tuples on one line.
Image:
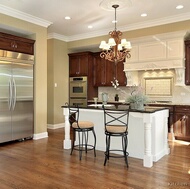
[(147, 131)]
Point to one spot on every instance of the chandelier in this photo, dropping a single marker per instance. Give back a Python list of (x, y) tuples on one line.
[(117, 49)]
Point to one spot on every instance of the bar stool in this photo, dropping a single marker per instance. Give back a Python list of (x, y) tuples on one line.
[(116, 125), (82, 128)]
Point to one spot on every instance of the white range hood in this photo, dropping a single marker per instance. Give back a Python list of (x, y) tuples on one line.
[(163, 51)]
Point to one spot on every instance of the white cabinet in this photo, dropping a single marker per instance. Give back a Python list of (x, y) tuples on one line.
[(163, 51), (157, 51)]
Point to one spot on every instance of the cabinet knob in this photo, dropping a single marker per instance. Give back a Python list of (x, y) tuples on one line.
[(12, 44)]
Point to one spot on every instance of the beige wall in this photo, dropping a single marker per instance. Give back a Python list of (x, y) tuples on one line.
[(57, 73), (40, 68)]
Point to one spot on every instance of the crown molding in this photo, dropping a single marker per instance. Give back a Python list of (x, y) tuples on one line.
[(156, 22), (140, 25), (182, 35), (23, 16), (57, 36)]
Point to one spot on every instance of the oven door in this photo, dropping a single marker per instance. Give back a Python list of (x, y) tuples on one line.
[(81, 102), (78, 89)]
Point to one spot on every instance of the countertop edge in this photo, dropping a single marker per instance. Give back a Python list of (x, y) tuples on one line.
[(147, 109)]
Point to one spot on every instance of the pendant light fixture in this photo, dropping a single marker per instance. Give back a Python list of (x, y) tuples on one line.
[(117, 49)]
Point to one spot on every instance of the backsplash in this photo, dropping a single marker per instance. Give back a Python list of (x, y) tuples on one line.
[(179, 94)]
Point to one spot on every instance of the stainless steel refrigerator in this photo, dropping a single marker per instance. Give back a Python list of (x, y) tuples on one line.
[(16, 96)]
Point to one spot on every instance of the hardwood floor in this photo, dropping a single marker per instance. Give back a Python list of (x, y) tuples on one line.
[(44, 164)]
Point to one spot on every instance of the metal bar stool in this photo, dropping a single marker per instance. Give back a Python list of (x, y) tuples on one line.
[(116, 125), (82, 128)]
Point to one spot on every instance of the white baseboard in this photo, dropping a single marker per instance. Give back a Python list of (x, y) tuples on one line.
[(55, 126), (40, 135)]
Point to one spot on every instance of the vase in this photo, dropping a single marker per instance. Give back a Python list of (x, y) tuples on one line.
[(137, 105), (116, 97)]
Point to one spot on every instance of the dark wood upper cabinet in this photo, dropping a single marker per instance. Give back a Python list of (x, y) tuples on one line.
[(79, 64), (187, 62), (16, 44), (105, 72), (120, 74)]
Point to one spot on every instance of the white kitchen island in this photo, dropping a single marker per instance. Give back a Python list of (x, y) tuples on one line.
[(147, 131)]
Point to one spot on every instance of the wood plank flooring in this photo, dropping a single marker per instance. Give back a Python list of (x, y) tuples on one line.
[(44, 164)]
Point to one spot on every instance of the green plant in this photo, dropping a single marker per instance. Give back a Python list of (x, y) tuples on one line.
[(137, 96)]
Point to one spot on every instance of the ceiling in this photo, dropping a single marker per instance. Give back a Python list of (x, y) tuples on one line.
[(85, 12)]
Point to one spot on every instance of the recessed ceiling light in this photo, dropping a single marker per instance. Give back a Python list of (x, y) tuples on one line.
[(67, 17), (143, 15), (90, 27), (179, 7)]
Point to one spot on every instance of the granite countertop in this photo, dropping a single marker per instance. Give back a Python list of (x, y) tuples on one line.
[(150, 103), (147, 109)]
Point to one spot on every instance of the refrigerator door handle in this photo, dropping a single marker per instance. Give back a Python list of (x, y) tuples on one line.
[(10, 95), (14, 97)]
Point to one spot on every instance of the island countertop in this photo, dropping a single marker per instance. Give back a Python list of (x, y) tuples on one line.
[(147, 109)]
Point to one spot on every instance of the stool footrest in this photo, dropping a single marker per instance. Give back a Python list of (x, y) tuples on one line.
[(89, 147), (116, 155)]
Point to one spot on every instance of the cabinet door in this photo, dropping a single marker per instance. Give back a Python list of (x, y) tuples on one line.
[(182, 126), (103, 72), (109, 72), (99, 70), (120, 74), (20, 46), (73, 66), (83, 65), (6, 44), (179, 124), (78, 65), (187, 62)]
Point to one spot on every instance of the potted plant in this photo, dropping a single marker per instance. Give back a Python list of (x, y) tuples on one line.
[(137, 99)]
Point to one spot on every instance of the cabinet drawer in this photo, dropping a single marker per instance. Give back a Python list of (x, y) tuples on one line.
[(185, 109)]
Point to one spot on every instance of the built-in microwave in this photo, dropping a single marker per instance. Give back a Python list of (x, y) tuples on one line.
[(78, 87)]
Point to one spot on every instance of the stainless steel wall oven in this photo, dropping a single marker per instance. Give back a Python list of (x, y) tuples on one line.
[(78, 91)]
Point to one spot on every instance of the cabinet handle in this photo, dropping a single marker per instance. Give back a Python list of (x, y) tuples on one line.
[(15, 45), (12, 44)]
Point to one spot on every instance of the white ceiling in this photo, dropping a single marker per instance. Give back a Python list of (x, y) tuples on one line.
[(88, 12)]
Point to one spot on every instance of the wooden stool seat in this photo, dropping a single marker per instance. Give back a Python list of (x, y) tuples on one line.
[(83, 124)]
